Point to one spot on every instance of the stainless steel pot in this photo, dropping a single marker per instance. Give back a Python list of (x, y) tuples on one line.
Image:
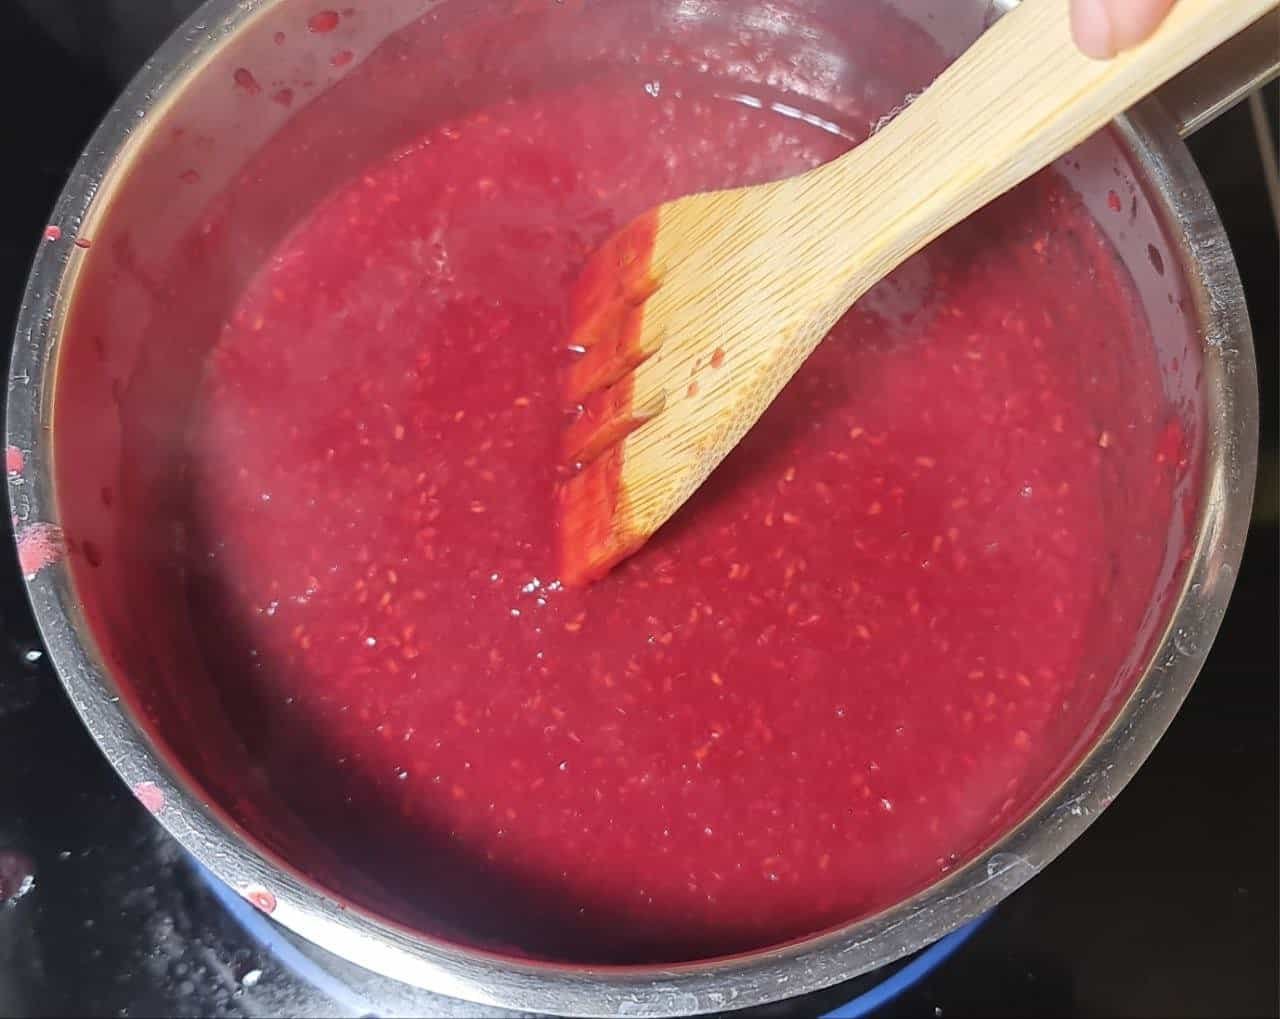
[(129, 192)]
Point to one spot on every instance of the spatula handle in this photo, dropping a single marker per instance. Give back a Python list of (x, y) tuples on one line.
[(1021, 96)]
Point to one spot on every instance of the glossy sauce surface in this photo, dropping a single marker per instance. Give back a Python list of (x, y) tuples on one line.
[(847, 663)]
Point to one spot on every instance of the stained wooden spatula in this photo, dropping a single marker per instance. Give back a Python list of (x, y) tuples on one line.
[(694, 316)]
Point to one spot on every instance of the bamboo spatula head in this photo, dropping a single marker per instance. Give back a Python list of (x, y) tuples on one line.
[(690, 324)]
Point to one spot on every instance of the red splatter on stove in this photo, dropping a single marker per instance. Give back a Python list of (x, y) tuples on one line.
[(341, 58), (150, 796), (14, 460), (39, 545), (52, 232), (83, 242), (1113, 201), (278, 38), (284, 97)]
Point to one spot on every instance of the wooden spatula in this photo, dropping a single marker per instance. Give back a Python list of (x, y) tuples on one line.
[(694, 316)]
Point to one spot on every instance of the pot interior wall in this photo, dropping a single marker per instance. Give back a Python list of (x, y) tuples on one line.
[(196, 205)]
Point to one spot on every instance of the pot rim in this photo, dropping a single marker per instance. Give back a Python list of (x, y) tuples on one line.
[(1182, 202)]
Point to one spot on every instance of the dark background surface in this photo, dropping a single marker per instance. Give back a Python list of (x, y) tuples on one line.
[(1167, 907)]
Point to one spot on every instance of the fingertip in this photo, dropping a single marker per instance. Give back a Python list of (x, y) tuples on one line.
[(1132, 21), (1092, 29)]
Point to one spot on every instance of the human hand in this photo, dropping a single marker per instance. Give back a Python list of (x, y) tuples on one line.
[(1102, 28)]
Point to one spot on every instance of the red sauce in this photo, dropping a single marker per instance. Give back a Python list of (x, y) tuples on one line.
[(846, 664)]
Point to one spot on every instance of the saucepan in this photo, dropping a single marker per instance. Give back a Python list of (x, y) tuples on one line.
[(127, 295)]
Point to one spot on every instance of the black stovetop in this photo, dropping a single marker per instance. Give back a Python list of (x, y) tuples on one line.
[(1168, 906)]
